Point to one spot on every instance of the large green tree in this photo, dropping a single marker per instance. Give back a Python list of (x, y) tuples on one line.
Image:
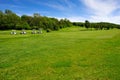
[(8, 19)]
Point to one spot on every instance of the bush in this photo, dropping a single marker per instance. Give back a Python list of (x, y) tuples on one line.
[(48, 30)]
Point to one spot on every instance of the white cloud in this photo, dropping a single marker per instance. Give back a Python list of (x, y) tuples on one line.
[(101, 7), (56, 6), (73, 18), (111, 19), (102, 10), (69, 4), (77, 19), (62, 5)]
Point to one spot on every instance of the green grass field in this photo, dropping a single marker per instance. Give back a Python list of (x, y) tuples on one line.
[(68, 54)]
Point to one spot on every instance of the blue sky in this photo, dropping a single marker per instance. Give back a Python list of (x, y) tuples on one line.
[(74, 10)]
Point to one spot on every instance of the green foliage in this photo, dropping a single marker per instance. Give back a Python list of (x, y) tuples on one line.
[(26, 18), (81, 24), (22, 25), (9, 20), (65, 23), (97, 26), (104, 25)]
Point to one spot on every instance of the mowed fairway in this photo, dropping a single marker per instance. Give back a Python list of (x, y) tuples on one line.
[(68, 54)]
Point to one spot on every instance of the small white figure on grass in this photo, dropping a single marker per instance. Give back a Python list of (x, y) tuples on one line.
[(13, 32), (23, 31), (33, 31), (40, 31)]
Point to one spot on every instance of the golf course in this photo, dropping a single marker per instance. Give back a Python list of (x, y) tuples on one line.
[(72, 53)]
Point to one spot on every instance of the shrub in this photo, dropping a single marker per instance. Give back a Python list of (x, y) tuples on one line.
[(48, 30)]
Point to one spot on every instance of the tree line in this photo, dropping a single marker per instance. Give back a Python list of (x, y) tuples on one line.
[(97, 26), (10, 20)]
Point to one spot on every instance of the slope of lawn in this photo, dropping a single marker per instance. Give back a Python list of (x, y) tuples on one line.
[(68, 54)]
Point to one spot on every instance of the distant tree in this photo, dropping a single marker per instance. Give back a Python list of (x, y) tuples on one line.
[(87, 24), (65, 23), (22, 25), (26, 18), (7, 11), (25, 25), (54, 24), (36, 15), (81, 24), (35, 21)]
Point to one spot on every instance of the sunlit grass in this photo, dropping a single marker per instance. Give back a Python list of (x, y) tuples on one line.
[(68, 54)]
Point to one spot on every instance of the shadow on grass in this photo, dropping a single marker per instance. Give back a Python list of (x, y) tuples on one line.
[(62, 64)]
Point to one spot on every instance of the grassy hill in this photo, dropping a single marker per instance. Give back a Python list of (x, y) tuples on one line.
[(69, 54)]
